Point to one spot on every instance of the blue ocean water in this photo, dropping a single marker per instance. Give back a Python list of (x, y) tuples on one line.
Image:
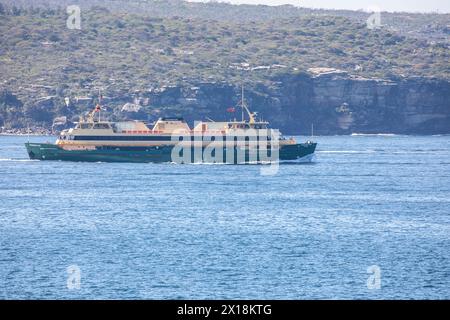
[(165, 231)]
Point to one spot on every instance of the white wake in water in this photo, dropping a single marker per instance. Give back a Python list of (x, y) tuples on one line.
[(347, 151), (374, 135), (17, 160)]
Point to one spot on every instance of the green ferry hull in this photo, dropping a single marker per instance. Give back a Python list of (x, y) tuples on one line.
[(46, 151)]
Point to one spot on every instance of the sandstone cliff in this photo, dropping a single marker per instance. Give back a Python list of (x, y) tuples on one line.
[(334, 101)]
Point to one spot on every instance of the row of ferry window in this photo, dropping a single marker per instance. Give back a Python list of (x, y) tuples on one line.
[(213, 138), (150, 138), (95, 126), (107, 126), (246, 126)]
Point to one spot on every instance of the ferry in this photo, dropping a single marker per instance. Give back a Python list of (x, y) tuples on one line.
[(171, 140)]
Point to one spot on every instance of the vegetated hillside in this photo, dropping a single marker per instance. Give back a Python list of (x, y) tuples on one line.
[(136, 57), (431, 27)]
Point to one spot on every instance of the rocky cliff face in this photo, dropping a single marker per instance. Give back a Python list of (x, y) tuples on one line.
[(332, 100), (340, 103)]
